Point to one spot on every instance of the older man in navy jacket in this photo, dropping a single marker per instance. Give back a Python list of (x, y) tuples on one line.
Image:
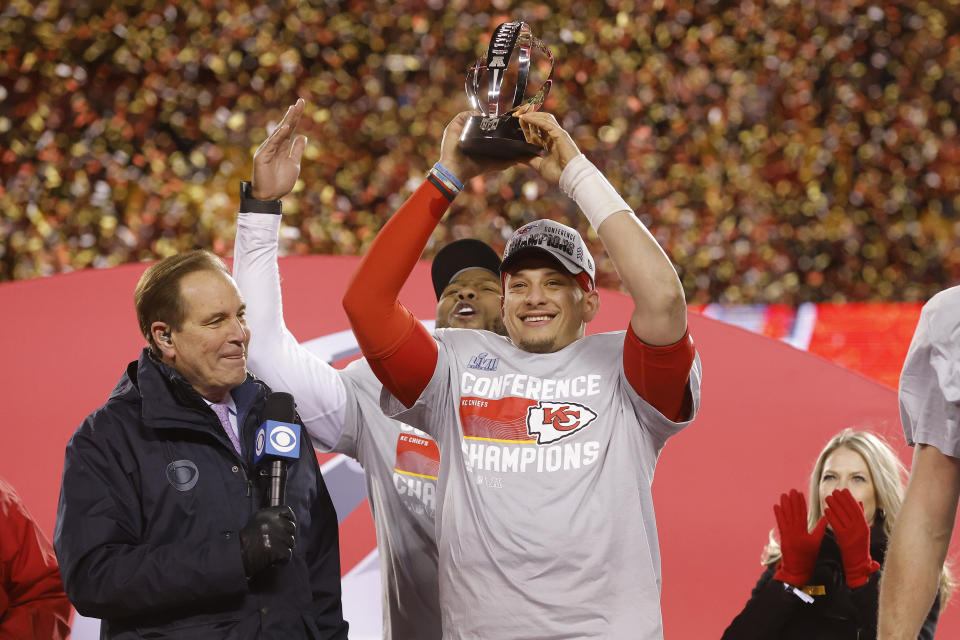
[(162, 528)]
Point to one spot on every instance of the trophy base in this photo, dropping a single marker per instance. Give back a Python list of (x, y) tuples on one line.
[(496, 137)]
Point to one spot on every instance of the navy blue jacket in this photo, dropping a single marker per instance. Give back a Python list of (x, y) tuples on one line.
[(152, 499)]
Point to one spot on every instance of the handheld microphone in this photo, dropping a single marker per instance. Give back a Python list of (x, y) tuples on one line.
[(278, 442)]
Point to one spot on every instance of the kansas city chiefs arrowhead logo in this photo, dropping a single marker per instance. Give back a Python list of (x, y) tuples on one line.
[(550, 421)]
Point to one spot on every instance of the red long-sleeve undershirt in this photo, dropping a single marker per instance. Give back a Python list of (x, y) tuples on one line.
[(400, 351), (660, 374), (404, 355)]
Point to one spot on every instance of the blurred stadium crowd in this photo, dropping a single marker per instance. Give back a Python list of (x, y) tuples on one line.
[(782, 151)]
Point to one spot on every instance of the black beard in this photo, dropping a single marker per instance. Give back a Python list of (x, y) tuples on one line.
[(537, 346)]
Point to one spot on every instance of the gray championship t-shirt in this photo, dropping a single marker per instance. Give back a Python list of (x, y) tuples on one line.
[(545, 518), (930, 380), (401, 465)]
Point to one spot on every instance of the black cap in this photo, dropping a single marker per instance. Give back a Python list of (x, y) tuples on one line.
[(458, 256)]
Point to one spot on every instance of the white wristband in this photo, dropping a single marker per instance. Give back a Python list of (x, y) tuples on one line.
[(592, 192)]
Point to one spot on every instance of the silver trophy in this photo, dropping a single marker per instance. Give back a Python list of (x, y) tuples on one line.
[(514, 61)]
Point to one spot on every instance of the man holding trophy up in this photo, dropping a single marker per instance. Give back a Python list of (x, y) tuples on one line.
[(545, 518)]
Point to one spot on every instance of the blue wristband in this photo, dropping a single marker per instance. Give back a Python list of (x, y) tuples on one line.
[(446, 176)]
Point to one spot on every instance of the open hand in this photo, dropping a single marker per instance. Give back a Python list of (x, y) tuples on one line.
[(798, 545), (276, 163), (846, 518)]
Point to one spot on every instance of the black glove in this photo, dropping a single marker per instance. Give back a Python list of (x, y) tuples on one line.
[(268, 539)]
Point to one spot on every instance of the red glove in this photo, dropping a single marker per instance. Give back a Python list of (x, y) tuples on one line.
[(849, 525), (798, 545)]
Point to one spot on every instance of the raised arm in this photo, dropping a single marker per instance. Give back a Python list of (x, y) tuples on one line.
[(918, 544), (658, 351), (275, 355), (398, 348), (660, 311)]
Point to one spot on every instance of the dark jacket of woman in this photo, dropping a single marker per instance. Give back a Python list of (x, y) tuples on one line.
[(775, 612)]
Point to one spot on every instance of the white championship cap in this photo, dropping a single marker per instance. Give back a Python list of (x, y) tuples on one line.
[(556, 240)]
